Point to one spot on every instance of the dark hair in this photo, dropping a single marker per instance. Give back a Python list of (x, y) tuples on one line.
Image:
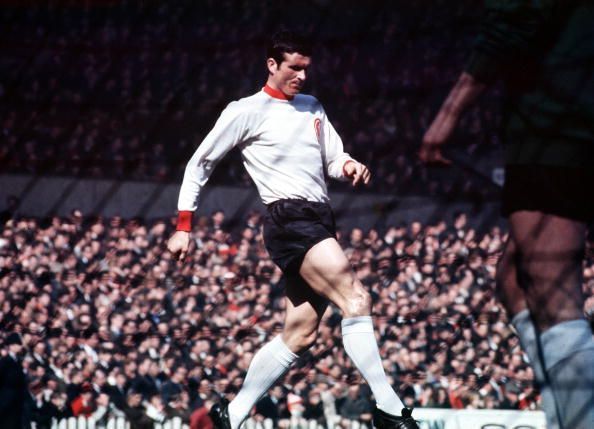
[(289, 42)]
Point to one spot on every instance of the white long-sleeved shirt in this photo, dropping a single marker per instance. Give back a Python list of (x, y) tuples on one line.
[(287, 147)]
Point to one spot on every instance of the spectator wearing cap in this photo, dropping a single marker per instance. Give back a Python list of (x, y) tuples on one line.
[(13, 384)]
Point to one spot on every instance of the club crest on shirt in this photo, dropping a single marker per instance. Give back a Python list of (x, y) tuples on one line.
[(318, 127)]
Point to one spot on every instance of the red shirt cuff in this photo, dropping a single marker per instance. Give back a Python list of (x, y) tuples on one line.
[(184, 221)]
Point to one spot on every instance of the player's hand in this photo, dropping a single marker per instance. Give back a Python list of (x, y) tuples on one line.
[(179, 244), (432, 155), (357, 172), (439, 132)]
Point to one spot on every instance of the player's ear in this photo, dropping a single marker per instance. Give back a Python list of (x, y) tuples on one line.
[(272, 65)]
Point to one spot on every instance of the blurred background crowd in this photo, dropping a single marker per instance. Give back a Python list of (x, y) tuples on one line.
[(111, 324), (127, 89)]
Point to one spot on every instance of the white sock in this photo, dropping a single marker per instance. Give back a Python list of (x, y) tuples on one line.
[(267, 366), (529, 340), (568, 349), (562, 340), (359, 342)]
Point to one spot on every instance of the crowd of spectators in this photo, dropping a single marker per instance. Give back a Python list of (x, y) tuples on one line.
[(128, 89), (112, 325)]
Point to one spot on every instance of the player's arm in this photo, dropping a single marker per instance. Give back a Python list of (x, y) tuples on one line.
[(339, 164), (464, 92), (230, 130), (509, 31)]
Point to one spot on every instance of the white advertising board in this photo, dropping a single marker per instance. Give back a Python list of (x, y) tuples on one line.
[(435, 418)]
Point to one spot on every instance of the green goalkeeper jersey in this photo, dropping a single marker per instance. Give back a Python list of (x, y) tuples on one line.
[(544, 53)]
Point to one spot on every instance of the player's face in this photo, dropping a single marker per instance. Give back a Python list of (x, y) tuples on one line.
[(289, 77)]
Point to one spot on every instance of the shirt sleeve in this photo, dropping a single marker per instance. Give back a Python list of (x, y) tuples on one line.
[(332, 150), (510, 32), (230, 130)]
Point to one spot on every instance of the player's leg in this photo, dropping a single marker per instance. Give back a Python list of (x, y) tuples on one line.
[(513, 299), (550, 251), (327, 270), (304, 310), (508, 290)]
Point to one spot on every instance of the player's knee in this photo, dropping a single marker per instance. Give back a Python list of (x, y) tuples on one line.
[(300, 341), (359, 302), (308, 340)]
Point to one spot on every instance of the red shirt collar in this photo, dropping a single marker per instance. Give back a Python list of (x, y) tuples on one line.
[(275, 93)]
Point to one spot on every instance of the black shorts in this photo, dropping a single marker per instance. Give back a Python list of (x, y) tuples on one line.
[(562, 191), (292, 227)]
